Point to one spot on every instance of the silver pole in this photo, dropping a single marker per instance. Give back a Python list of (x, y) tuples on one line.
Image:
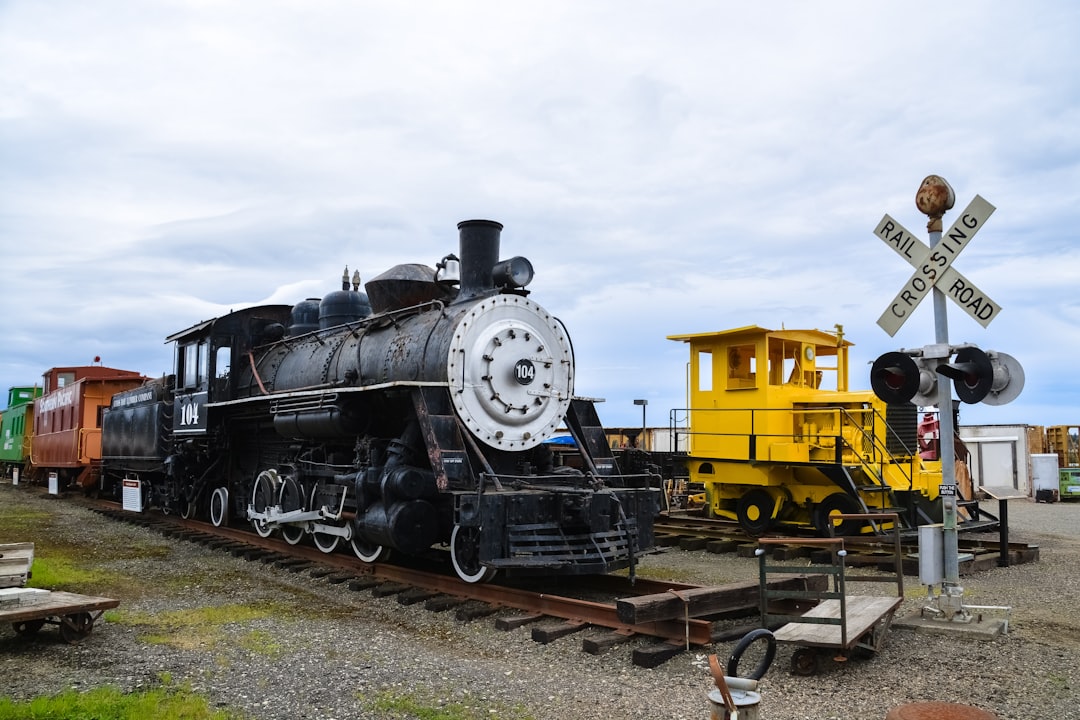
[(934, 198), (946, 449)]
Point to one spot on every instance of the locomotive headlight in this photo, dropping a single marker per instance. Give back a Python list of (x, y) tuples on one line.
[(517, 272)]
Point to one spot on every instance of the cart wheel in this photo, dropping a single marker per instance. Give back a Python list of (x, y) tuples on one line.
[(28, 627), (805, 661), (75, 627)]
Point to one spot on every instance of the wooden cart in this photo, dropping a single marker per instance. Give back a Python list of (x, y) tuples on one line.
[(74, 614), (29, 609), (839, 622)]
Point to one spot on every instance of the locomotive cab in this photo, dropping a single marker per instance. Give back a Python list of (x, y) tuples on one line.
[(206, 353)]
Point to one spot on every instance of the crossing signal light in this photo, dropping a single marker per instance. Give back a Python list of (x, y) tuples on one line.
[(987, 376), (992, 377), (897, 377)]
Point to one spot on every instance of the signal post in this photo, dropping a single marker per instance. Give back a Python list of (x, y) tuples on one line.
[(912, 375)]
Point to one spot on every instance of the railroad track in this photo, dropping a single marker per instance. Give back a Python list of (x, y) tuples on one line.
[(977, 552), (676, 616)]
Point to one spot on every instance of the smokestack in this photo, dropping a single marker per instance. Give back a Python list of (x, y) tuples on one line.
[(479, 240)]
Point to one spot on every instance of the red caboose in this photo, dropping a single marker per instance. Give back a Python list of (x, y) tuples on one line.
[(67, 421)]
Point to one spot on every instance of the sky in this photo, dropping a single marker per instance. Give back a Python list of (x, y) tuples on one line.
[(668, 168)]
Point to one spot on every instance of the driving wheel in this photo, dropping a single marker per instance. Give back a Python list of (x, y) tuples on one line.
[(291, 498), (219, 507), (465, 555), (324, 541), (263, 495)]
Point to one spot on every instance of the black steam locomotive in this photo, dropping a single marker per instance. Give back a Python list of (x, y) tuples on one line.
[(410, 417)]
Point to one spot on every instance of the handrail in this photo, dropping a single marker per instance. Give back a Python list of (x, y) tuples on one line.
[(874, 452)]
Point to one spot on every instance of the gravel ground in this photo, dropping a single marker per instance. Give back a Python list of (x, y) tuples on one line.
[(317, 650)]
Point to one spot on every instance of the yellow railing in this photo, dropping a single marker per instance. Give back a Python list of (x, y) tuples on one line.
[(830, 435)]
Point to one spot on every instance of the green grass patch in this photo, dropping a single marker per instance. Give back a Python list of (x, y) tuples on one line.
[(203, 627), (414, 707), (108, 703), (261, 642), (60, 572)]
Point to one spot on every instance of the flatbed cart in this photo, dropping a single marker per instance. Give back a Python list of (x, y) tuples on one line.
[(74, 614), (839, 622), (28, 609)]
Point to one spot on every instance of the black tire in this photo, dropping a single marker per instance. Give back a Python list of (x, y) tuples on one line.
[(755, 511), (838, 502), (744, 643)]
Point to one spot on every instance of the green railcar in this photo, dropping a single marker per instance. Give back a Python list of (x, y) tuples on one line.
[(16, 427)]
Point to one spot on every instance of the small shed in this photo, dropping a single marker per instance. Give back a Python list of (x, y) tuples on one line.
[(1000, 455)]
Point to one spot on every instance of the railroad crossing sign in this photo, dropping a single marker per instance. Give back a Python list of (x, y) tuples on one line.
[(933, 268)]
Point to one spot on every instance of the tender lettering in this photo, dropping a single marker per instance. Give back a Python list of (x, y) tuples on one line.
[(133, 399)]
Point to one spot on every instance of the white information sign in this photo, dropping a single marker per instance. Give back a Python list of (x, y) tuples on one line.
[(133, 500)]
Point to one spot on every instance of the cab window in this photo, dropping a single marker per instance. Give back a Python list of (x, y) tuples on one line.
[(192, 361)]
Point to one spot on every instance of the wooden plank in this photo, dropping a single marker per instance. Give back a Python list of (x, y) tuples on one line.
[(15, 562), (652, 656), (513, 622), (21, 551), (550, 633), (698, 602), (58, 603), (863, 612), (602, 641)]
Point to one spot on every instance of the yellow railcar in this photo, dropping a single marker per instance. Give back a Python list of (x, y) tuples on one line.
[(774, 434)]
